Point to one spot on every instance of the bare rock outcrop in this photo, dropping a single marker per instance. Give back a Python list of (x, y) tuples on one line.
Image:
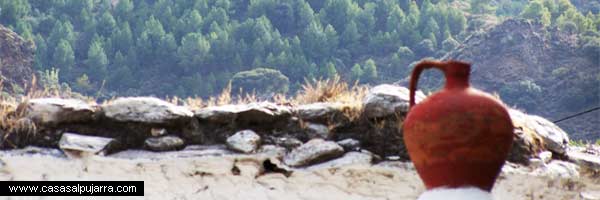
[(544, 71), (16, 61)]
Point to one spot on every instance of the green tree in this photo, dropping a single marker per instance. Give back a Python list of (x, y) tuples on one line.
[(581, 22), (431, 30), (457, 21), (370, 70), (396, 20), (425, 48), (314, 42), (449, 44), (124, 9), (356, 72), (316, 4), (106, 25), (305, 15), (83, 85), (193, 52), (62, 31), (332, 38), (405, 54), (482, 6), (13, 10), (365, 20), (63, 56), (217, 15), (24, 30), (122, 39), (412, 23), (338, 13), (150, 39), (329, 71), (74, 7), (97, 61), (189, 22), (120, 78), (41, 53), (535, 10), (351, 37)]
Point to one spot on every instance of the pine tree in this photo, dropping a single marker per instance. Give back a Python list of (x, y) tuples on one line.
[(189, 22), (338, 13), (356, 72), (330, 70), (396, 20), (351, 37), (106, 25), (61, 31), (430, 30), (41, 53), (314, 42), (370, 70), (456, 21), (97, 61), (124, 9), (193, 52), (305, 15), (120, 78), (13, 10), (63, 57), (122, 39), (148, 43)]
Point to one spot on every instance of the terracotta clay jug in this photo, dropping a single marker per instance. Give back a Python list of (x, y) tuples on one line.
[(458, 136)]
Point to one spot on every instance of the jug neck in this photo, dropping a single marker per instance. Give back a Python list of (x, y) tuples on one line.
[(455, 72), (456, 82)]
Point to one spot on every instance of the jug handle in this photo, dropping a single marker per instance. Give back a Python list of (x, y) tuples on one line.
[(414, 78)]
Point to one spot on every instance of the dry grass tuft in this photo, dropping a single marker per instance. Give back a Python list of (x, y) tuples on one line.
[(247, 98), (194, 102), (223, 99), (334, 90), (330, 90)]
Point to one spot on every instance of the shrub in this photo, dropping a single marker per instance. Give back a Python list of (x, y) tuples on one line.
[(561, 71), (522, 94), (449, 44), (425, 48), (260, 80), (592, 47)]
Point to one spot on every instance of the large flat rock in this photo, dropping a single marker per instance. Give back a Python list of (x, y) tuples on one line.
[(314, 151), (262, 112), (75, 145), (54, 111), (144, 110), (537, 133), (385, 100)]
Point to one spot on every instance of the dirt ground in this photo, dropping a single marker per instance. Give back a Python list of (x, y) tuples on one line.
[(211, 177)]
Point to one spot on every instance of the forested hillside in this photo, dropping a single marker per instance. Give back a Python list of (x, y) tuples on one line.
[(195, 47)]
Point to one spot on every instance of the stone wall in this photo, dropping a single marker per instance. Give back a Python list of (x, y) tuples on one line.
[(328, 128)]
